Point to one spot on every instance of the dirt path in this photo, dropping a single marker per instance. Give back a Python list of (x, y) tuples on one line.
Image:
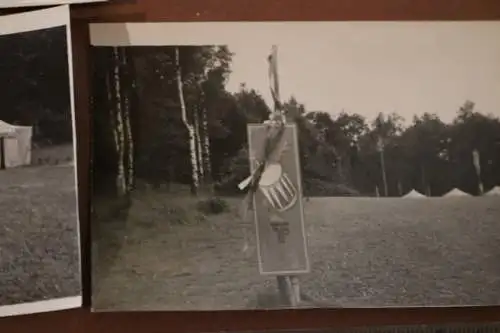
[(364, 252)]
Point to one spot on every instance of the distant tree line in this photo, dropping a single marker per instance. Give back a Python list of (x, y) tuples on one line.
[(163, 116), (35, 84), (429, 155)]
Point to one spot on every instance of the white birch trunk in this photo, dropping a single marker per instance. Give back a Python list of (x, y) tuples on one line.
[(199, 154), (121, 181), (128, 134), (206, 146), (189, 127), (112, 119)]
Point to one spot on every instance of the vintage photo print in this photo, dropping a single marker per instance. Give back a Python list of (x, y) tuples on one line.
[(34, 3), (39, 231), (449, 328), (309, 164)]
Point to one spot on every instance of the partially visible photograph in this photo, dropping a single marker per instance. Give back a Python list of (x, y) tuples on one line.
[(449, 328), (35, 3), (39, 229)]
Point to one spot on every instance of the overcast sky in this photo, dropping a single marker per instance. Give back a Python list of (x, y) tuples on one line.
[(366, 68)]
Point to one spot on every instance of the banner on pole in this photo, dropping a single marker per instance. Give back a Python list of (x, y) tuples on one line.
[(278, 206)]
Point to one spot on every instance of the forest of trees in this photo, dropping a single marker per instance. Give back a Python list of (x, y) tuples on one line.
[(35, 84), (163, 116)]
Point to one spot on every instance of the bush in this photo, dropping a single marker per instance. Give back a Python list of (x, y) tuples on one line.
[(321, 188), (182, 215), (154, 207), (212, 206)]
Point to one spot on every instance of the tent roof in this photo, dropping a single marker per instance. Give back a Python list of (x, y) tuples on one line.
[(9, 129), (494, 191), (456, 193), (414, 194), (6, 129)]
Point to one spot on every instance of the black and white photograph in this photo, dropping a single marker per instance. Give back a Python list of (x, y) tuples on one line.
[(493, 327), (39, 230), (35, 3), (449, 328), (254, 165)]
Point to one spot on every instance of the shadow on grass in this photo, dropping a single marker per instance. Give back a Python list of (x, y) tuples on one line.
[(134, 218)]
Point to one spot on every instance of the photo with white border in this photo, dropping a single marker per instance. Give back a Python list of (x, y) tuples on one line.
[(270, 165), (40, 265), (34, 3)]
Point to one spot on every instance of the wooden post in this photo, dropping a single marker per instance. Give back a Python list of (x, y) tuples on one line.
[(277, 204), (384, 176), (289, 290), (477, 165), (284, 282), (400, 188)]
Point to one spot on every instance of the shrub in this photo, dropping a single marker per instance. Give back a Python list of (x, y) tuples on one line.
[(212, 206), (152, 208), (320, 188)]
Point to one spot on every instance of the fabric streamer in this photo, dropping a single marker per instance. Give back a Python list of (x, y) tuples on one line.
[(275, 127)]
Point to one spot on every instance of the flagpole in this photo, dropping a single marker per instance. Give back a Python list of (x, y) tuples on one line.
[(382, 165), (288, 286), (477, 165)]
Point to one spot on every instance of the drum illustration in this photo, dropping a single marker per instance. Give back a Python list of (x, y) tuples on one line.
[(277, 188)]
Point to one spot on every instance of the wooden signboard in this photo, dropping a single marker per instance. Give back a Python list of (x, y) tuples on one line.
[(278, 206)]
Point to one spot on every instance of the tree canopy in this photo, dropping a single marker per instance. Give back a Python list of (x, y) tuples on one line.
[(35, 83), (341, 152)]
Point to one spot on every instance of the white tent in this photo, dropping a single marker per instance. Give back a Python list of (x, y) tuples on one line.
[(16, 148), (495, 191), (456, 193), (413, 194)]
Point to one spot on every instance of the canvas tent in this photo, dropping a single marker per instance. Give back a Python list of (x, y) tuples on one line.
[(413, 194), (495, 191), (456, 193), (15, 145)]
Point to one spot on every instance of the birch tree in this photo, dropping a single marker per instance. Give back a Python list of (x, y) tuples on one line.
[(198, 135), (126, 120), (190, 128), (205, 144), (119, 125)]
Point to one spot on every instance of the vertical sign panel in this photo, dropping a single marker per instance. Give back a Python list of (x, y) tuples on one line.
[(278, 206)]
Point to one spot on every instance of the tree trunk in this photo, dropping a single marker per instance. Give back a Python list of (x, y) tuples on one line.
[(199, 156), (112, 121), (127, 123), (424, 179), (400, 188), (121, 181), (339, 168), (189, 127), (384, 176), (205, 147)]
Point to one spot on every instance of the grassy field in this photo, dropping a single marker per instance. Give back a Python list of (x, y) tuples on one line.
[(365, 252), (38, 234), (53, 155)]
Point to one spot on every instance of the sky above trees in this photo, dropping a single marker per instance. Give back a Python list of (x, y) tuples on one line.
[(367, 68)]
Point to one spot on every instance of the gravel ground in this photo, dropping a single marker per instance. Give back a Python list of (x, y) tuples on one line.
[(38, 234), (365, 252)]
